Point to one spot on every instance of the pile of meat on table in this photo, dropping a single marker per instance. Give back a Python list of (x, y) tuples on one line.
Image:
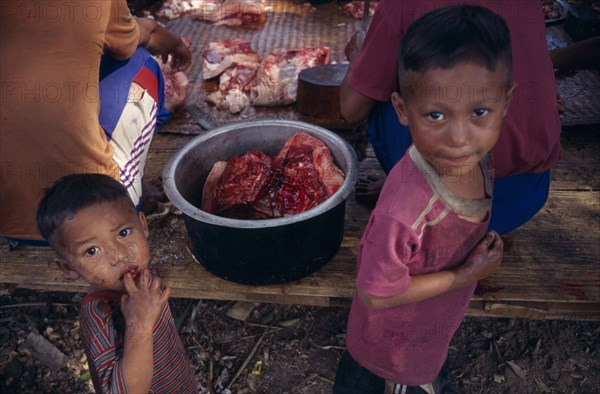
[(356, 8), (245, 80), (176, 83), (238, 12), (552, 10), (256, 186), (219, 12)]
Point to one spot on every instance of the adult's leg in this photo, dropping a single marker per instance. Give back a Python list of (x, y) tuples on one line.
[(131, 107), (517, 199), (131, 140)]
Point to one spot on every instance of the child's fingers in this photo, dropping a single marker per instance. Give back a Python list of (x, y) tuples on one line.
[(489, 239), (129, 283), (166, 293), (156, 282), (495, 238), (496, 249), (145, 279), (498, 242), (480, 252)]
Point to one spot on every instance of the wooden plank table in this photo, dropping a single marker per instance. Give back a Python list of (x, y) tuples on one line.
[(552, 270)]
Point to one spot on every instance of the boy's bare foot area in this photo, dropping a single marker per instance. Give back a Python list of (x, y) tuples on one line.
[(152, 194), (368, 189)]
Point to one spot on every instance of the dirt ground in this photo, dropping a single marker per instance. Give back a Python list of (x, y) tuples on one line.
[(295, 349)]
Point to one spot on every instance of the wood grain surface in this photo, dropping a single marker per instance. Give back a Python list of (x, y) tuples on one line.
[(551, 271)]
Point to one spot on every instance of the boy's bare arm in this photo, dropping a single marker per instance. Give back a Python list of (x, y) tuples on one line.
[(481, 263), (141, 308)]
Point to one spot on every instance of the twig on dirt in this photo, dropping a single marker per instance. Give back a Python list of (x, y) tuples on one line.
[(498, 351), (198, 345), (268, 327), (210, 371), (578, 364), (248, 336), (308, 378), (245, 363), (326, 347), (181, 318), (324, 379), (537, 346)]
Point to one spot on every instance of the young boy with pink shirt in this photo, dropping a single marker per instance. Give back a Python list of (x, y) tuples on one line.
[(426, 244)]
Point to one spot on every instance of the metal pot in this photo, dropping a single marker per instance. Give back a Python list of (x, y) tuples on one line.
[(258, 252)]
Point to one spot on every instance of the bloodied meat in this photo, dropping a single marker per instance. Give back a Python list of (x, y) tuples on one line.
[(219, 12), (277, 78), (220, 55), (239, 184), (301, 176), (356, 9)]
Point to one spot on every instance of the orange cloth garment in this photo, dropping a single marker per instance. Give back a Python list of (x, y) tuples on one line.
[(49, 104)]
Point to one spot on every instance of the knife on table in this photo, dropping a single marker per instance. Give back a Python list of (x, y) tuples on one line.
[(365, 21), (201, 117)]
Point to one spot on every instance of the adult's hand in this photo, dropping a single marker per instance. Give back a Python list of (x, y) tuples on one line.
[(181, 57), (161, 42)]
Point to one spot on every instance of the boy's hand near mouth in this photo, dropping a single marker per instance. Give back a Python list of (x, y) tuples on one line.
[(141, 308)]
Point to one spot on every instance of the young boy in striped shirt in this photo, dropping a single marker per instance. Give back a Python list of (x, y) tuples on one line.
[(128, 332)]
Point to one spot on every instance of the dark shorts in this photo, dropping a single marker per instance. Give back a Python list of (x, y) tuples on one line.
[(516, 198), (351, 378)]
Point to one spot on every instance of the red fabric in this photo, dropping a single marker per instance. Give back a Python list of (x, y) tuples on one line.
[(147, 80), (530, 138)]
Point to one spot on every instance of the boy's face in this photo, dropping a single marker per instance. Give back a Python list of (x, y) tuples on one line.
[(102, 242), (455, 115)]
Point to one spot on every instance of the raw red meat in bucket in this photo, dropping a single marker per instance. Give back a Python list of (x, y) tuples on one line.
[(254, 186)]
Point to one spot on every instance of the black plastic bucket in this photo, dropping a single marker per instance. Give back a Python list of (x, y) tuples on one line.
[(258, 252)]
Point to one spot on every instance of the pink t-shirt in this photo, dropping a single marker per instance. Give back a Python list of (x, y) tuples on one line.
[(415, 229), (530, 138)]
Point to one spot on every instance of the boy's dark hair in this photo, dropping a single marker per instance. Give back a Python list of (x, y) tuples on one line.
[(72, 193), (447, 36)]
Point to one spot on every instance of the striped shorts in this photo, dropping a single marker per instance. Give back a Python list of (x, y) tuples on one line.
[(131, 139)]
